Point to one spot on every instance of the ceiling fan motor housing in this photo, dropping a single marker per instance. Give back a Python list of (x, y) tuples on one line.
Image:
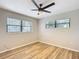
[(41, 5)]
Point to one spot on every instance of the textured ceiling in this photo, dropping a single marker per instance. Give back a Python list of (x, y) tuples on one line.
[(25, 6)]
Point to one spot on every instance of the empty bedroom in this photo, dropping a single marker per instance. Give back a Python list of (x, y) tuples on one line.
[(39, 29)]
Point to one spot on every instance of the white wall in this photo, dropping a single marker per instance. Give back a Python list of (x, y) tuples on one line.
[(67, 38), (13, 40)]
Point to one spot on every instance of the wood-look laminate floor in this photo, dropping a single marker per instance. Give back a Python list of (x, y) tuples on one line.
[(40, 51)]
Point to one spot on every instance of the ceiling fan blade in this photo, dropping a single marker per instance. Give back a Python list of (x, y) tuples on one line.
[(49, 5), (35, 3), (46, 11), (34, 9)]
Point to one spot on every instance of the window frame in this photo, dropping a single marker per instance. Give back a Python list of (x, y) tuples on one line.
[(63, 23), (54, 23), (21, 25), (27, 26), (50, 24)]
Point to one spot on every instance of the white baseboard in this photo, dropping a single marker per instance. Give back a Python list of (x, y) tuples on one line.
[(17, 47), (42, 42), (60, 46)]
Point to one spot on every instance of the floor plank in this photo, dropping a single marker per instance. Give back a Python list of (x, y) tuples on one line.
[(40, 51)]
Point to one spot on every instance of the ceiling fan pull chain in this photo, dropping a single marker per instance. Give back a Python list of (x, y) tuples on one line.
[(38, 13)]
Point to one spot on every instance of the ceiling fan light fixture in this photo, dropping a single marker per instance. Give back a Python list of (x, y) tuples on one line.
[(42, 9)]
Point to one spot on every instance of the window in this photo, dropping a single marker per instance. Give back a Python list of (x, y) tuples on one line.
[(26, 26), (63, 23), (50, 24), (15, 25)]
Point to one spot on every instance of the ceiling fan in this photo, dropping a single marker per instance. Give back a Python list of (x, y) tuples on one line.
[(40, 8)]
